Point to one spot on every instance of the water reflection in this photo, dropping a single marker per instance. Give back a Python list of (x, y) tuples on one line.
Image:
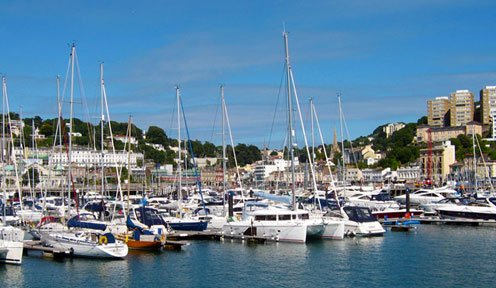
[(11, 275)]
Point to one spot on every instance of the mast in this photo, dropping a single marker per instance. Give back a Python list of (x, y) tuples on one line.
[(179, 170), (34, 150), (290, 120), (128, 162), (102, 120), (224, 180), (342, 139), (475, 161), (4, 92), (71, 115)]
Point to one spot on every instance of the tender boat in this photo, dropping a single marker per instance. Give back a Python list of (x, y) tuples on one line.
[(361, 222)]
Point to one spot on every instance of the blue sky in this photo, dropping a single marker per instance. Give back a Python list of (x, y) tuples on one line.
[(387, 58)]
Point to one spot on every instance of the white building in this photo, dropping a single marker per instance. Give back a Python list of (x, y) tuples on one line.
[(408, 173), (124, 139), (87, 157), (376, 175), (390, 128)]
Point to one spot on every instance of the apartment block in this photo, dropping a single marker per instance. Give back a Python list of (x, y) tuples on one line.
[(438, 112), (462, 107), (488, 107)]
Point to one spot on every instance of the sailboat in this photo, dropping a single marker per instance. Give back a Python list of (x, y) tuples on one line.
[(142, 234), (182, 222), (11, 245), (76, 241), (278, 222), (333, 226)]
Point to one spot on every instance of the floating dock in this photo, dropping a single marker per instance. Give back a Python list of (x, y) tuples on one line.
[(434, 220), (248, 238), (459, 222), (30, 245), (194, 235)]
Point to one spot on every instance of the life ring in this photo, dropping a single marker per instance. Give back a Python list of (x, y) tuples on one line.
[(103, 240)]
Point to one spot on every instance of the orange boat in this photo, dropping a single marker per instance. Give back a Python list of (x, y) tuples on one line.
[(142, 242)]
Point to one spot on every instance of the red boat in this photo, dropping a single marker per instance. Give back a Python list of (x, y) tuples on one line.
[(396, 213)]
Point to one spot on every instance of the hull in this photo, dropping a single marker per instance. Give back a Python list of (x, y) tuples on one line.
[(11, 245), (459, 214), (287, 232), (144, 245), (333, 229), (82, 247), (145, 242), (11, 252), (364, 229), (400, 213), (188, 225), (315, 228)]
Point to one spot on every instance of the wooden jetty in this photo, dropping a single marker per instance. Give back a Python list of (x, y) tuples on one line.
[(30, 245)]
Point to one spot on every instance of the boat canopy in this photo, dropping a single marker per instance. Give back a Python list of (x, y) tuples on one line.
[(277, 198), (359, 214)]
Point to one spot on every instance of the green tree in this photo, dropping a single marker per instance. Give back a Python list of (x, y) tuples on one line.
[(156, 135)]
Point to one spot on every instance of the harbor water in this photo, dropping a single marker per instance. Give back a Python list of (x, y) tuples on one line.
[(431, 256)]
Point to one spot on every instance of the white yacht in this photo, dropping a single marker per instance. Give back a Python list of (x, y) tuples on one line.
[(424, 196), (375, 201), (481, 209), (269, 222), (360, 222), (11, 245)]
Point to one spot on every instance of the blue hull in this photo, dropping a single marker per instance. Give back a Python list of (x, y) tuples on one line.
[(189, 226)]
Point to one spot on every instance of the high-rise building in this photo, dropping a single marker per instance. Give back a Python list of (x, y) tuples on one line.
[(488, 107), (438, 112), (461, 108)]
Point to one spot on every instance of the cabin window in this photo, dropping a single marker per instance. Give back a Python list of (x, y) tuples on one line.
[(271, 217), (260, 218), (305, 216), (285, 217)]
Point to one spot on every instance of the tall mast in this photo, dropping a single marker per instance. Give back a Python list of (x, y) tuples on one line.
[(179, 170), (34, 150), (71, 115), (475, 161), (342, 138), (224, 180), (102, 120), (4, 94), (290, 119), (59, 111), (128, 162), (312, 113)]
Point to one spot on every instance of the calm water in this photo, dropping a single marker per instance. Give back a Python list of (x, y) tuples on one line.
[(433, 256)]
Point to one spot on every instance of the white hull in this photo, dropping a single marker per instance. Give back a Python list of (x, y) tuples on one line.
[(315, 228), (364, 229), (333, 229), (81, 246), (270, 230), (11, 245)]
